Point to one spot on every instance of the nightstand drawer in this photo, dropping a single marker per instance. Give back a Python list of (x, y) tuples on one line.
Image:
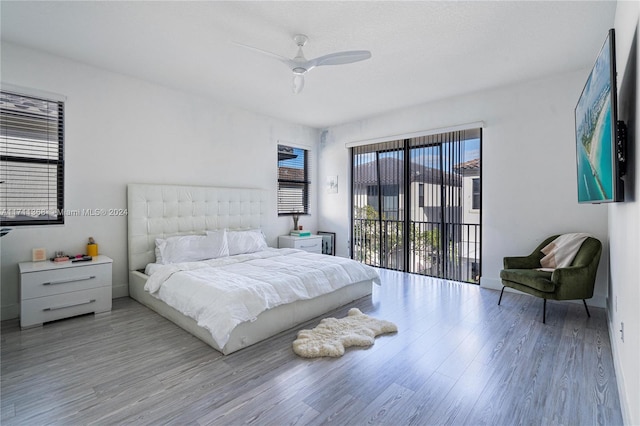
[(46, 283), (311, 244), (42, 309)]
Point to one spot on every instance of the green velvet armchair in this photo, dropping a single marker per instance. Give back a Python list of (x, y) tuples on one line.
[(570, 283)]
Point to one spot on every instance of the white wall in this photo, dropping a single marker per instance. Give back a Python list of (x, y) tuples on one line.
[(123, 130), (624, 226), (528, 168)]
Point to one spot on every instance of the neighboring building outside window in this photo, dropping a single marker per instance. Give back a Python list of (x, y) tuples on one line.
[(390, 200), (475, 200), (31, 159)]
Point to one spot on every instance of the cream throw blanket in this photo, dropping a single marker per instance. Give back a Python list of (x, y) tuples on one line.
[(560, 252)]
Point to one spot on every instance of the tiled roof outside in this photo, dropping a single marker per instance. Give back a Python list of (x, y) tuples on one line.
[(468, 165), (392, 172)]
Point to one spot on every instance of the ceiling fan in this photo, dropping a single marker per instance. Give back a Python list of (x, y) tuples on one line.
[(300, 65)]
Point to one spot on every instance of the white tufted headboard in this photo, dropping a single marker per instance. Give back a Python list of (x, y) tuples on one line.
[(160, 211)]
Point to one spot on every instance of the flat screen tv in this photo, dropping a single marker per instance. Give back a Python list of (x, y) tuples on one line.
[(598, 148)]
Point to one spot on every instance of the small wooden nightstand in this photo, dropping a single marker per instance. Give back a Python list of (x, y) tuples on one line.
[(51, 291), (312, 244)]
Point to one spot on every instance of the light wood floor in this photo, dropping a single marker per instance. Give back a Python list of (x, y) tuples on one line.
[(458, 358)]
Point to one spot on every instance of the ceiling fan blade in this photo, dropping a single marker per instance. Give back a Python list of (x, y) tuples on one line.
[(300, 65), (340, 58), (298, 82), (288, 62)]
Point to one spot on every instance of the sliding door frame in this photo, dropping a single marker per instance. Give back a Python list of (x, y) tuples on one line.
[(450, 232)]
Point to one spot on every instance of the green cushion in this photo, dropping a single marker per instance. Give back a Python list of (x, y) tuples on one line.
[(539, 280)]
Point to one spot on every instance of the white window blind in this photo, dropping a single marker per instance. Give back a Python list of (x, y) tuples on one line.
[(31, 160), (293, 180)]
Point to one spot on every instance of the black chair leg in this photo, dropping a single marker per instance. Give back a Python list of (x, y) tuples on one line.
[(500, 300), (585, 306), (544, 311)]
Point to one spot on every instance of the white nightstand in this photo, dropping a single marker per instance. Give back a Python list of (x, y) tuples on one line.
[(51, 291), (311, 244)]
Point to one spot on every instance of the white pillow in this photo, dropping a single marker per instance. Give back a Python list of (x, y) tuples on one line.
[(248, 241), (192, 248)]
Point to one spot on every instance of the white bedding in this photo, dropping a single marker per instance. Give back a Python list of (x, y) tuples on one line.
[(221, 293)]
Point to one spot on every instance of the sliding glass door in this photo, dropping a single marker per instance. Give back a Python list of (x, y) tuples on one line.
[(378, 209), (416, 205)]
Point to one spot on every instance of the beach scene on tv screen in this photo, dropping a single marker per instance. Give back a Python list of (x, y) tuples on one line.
[(594, 134)]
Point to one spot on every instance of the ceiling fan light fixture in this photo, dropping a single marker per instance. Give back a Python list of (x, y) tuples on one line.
[(298, 82), (300, 65)]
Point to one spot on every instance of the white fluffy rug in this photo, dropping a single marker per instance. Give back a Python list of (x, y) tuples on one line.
[(332, 335)]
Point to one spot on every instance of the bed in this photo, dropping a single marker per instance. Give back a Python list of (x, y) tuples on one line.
[(164, 211)]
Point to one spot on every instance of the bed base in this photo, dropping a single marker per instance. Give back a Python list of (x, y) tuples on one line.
[(268, 323)]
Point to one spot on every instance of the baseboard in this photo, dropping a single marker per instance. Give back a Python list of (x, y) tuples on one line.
[(622, 396), (120, 290), (597, 301), (492, 283), (8, 312)]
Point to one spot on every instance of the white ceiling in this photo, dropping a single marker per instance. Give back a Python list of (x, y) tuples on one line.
[(421, 50)]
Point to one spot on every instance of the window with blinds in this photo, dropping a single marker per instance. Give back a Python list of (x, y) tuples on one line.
[(31, 160), (293, 180)]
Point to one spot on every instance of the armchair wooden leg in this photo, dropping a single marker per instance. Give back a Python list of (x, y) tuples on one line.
[(585, 306), (544, 311), (500, 300)]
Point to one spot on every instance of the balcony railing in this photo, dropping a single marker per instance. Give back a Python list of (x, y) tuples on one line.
[(449, 251)]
